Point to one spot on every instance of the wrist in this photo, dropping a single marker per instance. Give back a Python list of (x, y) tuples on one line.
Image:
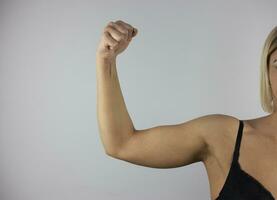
[(105, 64), (102, 61), (105, 58)]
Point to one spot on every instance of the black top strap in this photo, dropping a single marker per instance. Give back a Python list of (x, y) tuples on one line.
[(238, 141)]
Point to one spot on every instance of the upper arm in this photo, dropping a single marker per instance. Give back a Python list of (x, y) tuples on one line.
[(169, 146)]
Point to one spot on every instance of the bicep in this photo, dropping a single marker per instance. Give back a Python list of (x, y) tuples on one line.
[(169, 146)]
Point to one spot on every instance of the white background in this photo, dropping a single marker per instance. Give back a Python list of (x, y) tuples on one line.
[(190, 58)]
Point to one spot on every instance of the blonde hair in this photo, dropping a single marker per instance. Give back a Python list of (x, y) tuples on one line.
[(266, 94)]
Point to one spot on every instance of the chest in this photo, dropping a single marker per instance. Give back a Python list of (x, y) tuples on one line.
[(257, 161)]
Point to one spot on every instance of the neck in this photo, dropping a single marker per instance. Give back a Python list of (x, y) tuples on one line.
[(272, 119)]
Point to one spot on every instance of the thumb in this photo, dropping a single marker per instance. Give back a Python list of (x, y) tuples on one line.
[(134, 33)]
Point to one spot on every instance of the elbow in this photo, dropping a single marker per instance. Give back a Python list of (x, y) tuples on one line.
[(116, 150), (111, 152)]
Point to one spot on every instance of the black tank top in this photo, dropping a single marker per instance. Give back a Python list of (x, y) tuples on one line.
[(239, 185)]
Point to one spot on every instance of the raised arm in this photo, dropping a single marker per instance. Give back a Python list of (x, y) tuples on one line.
[(164, 146), (115, 124)]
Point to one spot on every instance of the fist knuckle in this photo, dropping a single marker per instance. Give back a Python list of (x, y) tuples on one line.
[(106, 29), (122, 35), (126, 31), (105, 34)]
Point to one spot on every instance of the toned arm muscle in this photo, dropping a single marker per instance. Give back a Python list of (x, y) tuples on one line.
[(169, 146)]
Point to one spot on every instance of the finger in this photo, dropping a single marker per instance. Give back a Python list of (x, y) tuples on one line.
[(123, 30), (128, 27), (120, 27), (116, 34), (135, 32), (110, 40)]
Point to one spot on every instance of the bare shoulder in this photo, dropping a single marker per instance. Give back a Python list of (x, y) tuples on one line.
[(222, 130)]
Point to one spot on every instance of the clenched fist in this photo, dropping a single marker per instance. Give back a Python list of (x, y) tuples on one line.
[(115, 39)]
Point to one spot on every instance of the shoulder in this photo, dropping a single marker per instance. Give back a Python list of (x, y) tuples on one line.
[(221, 131), (220, 123)]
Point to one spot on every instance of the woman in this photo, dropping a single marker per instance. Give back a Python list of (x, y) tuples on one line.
[(214, 139)]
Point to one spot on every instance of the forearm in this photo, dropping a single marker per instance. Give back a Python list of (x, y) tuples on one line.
[(115, 124)]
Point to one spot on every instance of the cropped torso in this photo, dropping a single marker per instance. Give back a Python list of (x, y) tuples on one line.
[(247, 167)]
